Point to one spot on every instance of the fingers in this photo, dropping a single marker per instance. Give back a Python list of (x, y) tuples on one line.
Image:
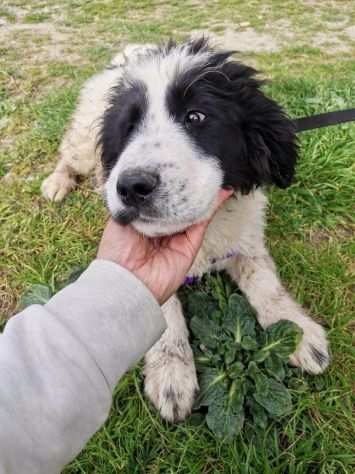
[(223, 195), (195, 233), (114, 238)]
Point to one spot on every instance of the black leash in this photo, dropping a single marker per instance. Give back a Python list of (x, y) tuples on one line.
[(324, 120)]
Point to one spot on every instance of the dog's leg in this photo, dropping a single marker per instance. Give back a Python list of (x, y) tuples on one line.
[(170, 374), (59, 183), (77, 158), (257, 278), (78, 151)]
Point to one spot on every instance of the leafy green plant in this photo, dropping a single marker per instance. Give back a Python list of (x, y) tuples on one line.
[(243, 372), (41, 294), (35, 294)]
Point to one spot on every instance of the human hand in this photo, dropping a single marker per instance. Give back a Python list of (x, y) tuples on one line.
[(161, 263)]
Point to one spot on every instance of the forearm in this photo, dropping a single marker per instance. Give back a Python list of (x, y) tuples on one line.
[(59, 364)]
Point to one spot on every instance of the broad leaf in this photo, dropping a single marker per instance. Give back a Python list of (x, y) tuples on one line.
[(282, 338), (216, 316), (260, 416), (253, 370), (236, 370), (249, 343), (260, 355), (272, 395), (206, 331), (275, 366), (212, 387), (240, 318), (230, 354), (201, 305), (226, 414), (37, 294)]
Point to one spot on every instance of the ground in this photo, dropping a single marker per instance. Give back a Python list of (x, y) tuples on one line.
[(307, 47)]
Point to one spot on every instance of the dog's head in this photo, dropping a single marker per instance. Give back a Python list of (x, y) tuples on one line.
[(184, 122)]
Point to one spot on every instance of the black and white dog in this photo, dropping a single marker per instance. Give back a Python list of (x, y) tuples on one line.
[(171, 126)]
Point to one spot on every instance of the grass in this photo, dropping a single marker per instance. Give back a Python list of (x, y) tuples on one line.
[(311, 225), (36, 18)]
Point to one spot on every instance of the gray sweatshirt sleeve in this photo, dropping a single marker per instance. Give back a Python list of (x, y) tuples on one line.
[(59, 364)]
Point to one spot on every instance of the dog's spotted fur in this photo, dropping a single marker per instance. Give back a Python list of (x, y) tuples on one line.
[(135, 116)]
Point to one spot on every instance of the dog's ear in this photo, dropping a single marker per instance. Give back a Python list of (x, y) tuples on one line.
[(271, 145)]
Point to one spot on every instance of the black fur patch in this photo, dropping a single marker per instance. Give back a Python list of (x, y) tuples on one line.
[(127, 108), (170, 395), (248, 132), (321, 358), (194, 47)]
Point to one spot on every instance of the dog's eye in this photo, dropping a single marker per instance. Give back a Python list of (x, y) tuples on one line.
[(194, 117)]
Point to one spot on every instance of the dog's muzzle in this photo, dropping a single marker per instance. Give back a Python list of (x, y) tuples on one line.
[(136, 189)]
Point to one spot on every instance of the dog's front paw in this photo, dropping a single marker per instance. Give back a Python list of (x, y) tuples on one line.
[(312, 353), (57, 186), (170, 380)]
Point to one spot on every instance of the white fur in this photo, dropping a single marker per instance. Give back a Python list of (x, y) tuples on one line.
[(170, 373)]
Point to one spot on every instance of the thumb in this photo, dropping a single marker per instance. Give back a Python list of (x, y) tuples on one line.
[(223, 195), (196, 232)]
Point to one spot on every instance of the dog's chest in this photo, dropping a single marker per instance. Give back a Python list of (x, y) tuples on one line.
[(237, 228)]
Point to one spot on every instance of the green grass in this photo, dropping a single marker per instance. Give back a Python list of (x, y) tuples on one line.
[(7, 15), (36, 18), (310, 232)]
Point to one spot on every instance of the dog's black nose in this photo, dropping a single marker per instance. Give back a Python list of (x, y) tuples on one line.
[(135, 186)]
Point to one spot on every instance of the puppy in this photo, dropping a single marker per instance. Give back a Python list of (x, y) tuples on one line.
[(170, 126)]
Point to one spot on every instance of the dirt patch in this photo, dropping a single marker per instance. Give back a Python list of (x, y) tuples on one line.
[(336, 24), (54, 44), (18, 12), (340, 233), (331, 44), (332, 37), (246, 41), (316, 3), (36, 28), (350, 31), (250, 40)]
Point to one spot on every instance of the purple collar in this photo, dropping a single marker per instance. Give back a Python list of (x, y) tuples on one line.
[(191, 279)]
